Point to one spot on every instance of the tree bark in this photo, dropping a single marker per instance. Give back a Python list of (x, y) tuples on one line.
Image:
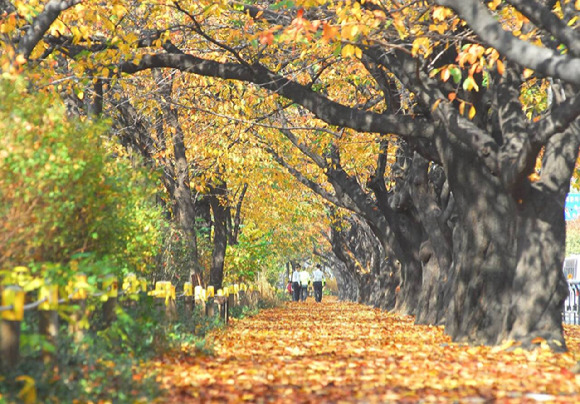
[(218, 203)]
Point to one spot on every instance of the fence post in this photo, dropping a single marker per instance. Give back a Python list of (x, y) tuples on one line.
[(209, 304), (78, 290), (48, 318), (170, 308), (231, 297), (199, 297), (243, 296), (222, 300), (111, 289), (10, 326), (188, 295), (236, 294)]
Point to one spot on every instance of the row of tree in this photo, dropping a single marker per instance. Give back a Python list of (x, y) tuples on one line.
[(442, 135)]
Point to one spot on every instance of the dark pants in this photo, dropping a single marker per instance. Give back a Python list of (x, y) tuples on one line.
[(304, 292), (296, 291), (317, 291)]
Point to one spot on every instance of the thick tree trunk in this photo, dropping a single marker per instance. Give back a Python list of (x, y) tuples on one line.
[(220, 234), (539, 286), (435, 252), (184, 202), (428, 312), (484, 242)]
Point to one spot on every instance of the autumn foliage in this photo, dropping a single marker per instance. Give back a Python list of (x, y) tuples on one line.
[(338, 351)]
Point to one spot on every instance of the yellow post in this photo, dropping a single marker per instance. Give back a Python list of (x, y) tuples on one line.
[(170, 307), (130, 284), (209, 306), (111, 289), (143, 283), (78, 292), (48, 317), (188, 295), (13, 297)]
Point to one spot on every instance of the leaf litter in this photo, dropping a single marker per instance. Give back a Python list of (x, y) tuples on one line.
[(346, 352)]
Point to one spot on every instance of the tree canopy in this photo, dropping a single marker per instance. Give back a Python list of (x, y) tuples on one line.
[(441, 135)]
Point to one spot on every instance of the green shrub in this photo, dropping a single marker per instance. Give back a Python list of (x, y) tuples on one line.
[(62, 194)]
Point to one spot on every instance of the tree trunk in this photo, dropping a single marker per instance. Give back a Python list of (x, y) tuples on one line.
[(484, 244), (539, 286), (220, 235), (184, 202)]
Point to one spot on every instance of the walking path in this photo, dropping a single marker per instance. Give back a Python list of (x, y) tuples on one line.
[(346, 352)]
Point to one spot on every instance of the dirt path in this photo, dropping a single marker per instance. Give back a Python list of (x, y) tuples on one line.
[(336, 351)]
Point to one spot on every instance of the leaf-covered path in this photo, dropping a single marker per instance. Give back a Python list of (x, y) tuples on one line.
[(337, 351)]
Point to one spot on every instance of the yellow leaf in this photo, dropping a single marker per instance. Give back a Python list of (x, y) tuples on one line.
[(441, 13), (436, 104), (440, 28), (421, 45), (471, 112), (493, 5), (462, 107), (350, 50), (28, 392), (119, 10)]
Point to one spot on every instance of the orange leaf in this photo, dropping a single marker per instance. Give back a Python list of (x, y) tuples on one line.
[(500, 67)]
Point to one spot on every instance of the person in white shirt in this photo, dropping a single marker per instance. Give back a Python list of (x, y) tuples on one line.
[(317, 279), (304, 282), (296, 284)]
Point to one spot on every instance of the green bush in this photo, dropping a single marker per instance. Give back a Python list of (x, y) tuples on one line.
[(63, 195)]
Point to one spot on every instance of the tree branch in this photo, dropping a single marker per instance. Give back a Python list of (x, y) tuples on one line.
[(542, 60), (545, 19), (42, 23), (325, 109), (557, 121)]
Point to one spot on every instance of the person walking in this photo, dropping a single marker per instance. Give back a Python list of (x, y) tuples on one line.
[(304, 282), (296, 284), (317, 279)]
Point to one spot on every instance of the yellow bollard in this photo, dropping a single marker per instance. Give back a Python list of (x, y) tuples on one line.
[(48, 318), (143, 283), (111, 289), (130, 284), (10, 326), (50, 293), (13, 296), (187, 289), (77, 289), (209, 306)]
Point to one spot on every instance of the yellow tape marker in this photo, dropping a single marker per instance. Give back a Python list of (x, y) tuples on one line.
[(13, 296), (50, 293), (188, 289), (111, 286), (78, 287)]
